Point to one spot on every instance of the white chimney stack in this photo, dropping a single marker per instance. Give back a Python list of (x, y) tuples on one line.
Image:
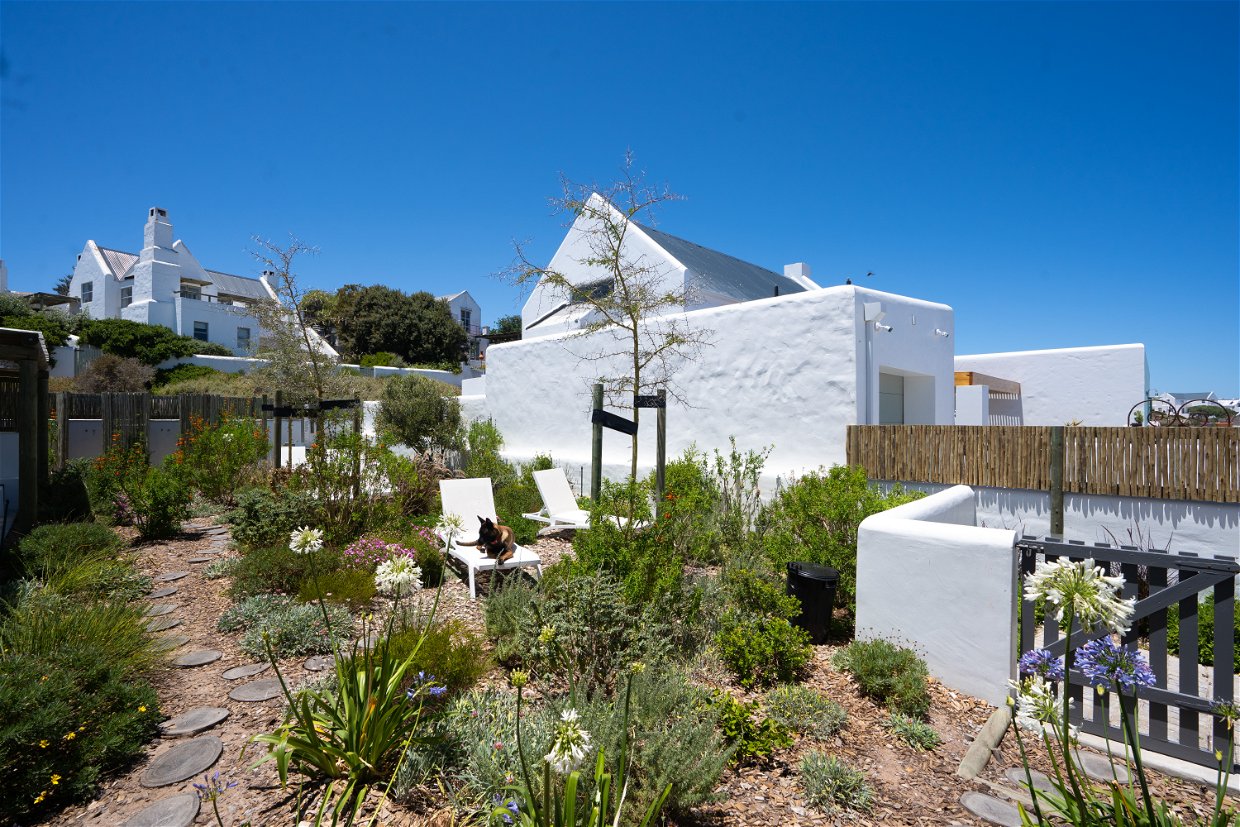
[(799, 273)]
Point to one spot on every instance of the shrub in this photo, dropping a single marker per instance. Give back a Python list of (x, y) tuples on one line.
[(81, 559), (688, 511), (483, 442), (182, 373), (53, 545), (415, 411), (109, 475), (382, 359), (114, 374), (148, 343), (1205, 632), (277, 569), (54, 326), (507, 612), (918, 735), (815, 520), (750, 739), (160, 503), (354, 588), (264, 518), (762, 650), (756, 591), (293, 629), (223, 567), (829, 782), (806, 711), (451, 652), (213, 460), (66, 496), (520, 496), (888, 674), (641, 558)]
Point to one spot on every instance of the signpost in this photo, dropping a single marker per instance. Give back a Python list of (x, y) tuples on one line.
[(604, 419)]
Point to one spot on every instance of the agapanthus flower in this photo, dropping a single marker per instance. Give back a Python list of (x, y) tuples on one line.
[(1041, 662), (1037, 704), (1086, 588), (398, 575), (449, 526), (1106, 664), (213, 788), (305, 540), (509, 804), (570, 745)]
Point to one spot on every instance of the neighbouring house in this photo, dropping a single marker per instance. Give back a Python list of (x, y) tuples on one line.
[(707, 278), (164, 284), (468, 314)]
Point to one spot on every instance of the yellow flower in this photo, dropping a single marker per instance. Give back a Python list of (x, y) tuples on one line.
[(55, 779), (43, 744), (142, 709), (70, 736), (40, 797)]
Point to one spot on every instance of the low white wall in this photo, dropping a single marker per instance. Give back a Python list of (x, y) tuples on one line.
[(224, 364), (1097, 385), (972, 405), (474, 387), (928, 577)]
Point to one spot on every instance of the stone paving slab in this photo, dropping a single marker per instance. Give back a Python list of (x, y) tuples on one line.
[(177, 811), (319, 663), (193, 721), (160, 609), (201, 559), (182, 762), (256, 691), (162, 624), (166, 591), (247, 671), (172, 641), (200, 658), (170, 576), (1100, 768), (991, 809), (1040, 780)]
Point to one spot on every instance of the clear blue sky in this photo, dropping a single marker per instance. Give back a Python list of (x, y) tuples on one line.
[(1060, 173)]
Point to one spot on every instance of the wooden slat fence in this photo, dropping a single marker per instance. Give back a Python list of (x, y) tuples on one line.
[(1200, 464), (10, 392)]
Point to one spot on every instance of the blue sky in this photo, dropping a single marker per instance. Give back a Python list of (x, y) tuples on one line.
[(1062, 174)]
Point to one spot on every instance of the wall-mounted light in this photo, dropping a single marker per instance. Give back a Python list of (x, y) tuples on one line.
[(938, 331), (886, 328)]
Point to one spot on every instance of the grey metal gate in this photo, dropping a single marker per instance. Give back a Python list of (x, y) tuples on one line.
[(1171, 579)]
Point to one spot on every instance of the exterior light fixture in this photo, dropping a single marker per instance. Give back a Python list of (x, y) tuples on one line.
[(886, 328), (938, 331)]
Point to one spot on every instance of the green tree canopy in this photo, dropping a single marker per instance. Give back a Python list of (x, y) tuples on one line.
[(148, 343), (376, 319)]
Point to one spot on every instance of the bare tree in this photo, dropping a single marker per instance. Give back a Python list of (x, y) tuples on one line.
[(289, 342), (634, 295)]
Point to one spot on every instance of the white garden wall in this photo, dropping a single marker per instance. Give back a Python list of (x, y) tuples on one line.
[(928, 577), (790, 372), (1096, 385)]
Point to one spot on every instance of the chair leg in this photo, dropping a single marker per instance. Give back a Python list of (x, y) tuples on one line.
[(473, 591)]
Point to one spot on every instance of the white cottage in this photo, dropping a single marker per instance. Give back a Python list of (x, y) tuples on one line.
[(166, 285)]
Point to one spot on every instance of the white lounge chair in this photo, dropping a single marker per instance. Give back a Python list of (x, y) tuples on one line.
[(560, 508), (469, 500)]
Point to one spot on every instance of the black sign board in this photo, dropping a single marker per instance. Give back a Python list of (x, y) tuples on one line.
[(334, 404), (616, 423), (649, 401), (282, 412)]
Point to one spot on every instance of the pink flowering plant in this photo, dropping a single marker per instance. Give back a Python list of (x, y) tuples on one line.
[(1085, 594)]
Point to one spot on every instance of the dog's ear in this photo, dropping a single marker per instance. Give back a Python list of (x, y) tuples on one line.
[(482, 520)]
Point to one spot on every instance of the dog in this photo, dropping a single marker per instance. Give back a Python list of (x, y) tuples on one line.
[(497, 540)]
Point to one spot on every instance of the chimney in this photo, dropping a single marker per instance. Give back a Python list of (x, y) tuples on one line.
[(158, 232), (799, 273)]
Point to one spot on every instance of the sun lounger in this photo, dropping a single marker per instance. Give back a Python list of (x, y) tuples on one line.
[(469, 500), (560, 508)]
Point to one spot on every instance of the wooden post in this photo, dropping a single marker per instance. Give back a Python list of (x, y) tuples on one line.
[(596, 449), (275, 416), (62, 429), (144, 420), (44, 415), (1057, 480), (660, 450), (357, 430), (106, 420), (27, 445)]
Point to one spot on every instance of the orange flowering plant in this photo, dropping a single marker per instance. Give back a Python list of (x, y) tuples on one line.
[(214, 459)]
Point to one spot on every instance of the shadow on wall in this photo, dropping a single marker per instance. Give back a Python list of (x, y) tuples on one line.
[(1006, 410)]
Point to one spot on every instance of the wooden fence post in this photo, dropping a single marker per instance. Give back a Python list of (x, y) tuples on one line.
[(62, 429), (1057, 480), (275, 417), (660, 450), (28, 432), (596, 449)]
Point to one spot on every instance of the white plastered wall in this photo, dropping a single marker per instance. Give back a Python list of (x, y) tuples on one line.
[(929, 578), (1096, 385)]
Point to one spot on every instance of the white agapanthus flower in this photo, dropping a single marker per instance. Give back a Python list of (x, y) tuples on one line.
[(1037, 705), (398, 575), (571, 744), (305, 540), (1093, 595)]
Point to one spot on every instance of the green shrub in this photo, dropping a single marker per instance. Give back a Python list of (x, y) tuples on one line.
[(214, 459), (688, 516), (277, 569), (888, 674), (382, 359), (1205, 632), (802, 709), (84, 559), (519, 495), (483, 442), (415, 411), (917, 734), (756, 591), (762, 650), (815, 520), (54, 327), (148, 343), (506, 611), (451, 652), (66, 497), (751, 740), (830, 783), (351, 587), (114, 374), (56, 544), (120, 466), (264, 518), (293, 628), (223, 567), (160, 503), (182, 373)]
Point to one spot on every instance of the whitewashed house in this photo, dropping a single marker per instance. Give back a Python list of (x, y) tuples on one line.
[(164, 284), (468, 314)]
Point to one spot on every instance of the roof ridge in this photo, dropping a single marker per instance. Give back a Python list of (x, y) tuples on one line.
[(702, 247)]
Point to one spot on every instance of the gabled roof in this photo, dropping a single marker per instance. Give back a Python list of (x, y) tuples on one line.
[(722, 273), (240, 286), (120, 262)]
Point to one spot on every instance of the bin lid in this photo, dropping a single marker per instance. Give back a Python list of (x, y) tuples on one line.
[(813, 571)]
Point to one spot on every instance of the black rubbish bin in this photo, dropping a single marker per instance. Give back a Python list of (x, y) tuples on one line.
[(814, 586)]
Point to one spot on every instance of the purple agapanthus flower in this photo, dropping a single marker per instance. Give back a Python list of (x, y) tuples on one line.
[(510, 804), (1106, 663), (1041, 662)]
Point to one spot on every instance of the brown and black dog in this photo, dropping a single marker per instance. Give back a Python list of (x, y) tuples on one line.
[(497, 540)]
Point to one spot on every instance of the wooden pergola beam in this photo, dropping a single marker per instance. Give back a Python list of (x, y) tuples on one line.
[(996, 385)]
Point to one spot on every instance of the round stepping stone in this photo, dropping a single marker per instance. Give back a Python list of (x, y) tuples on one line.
[(193, 721), (247, 671), (166, 591), (200, 658), (182, 762), (319, 663), (177, 811), (256, 691), (160, 609), (162, 624), (170, 576), (201, 559), (1041, 782), (1100, 768), (991, 809), (172, 641)]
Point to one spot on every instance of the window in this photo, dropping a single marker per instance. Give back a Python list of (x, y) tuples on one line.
[(191, 291), (243, 339), (200, 331), (465, 314), (88, 292), (127, 295)]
